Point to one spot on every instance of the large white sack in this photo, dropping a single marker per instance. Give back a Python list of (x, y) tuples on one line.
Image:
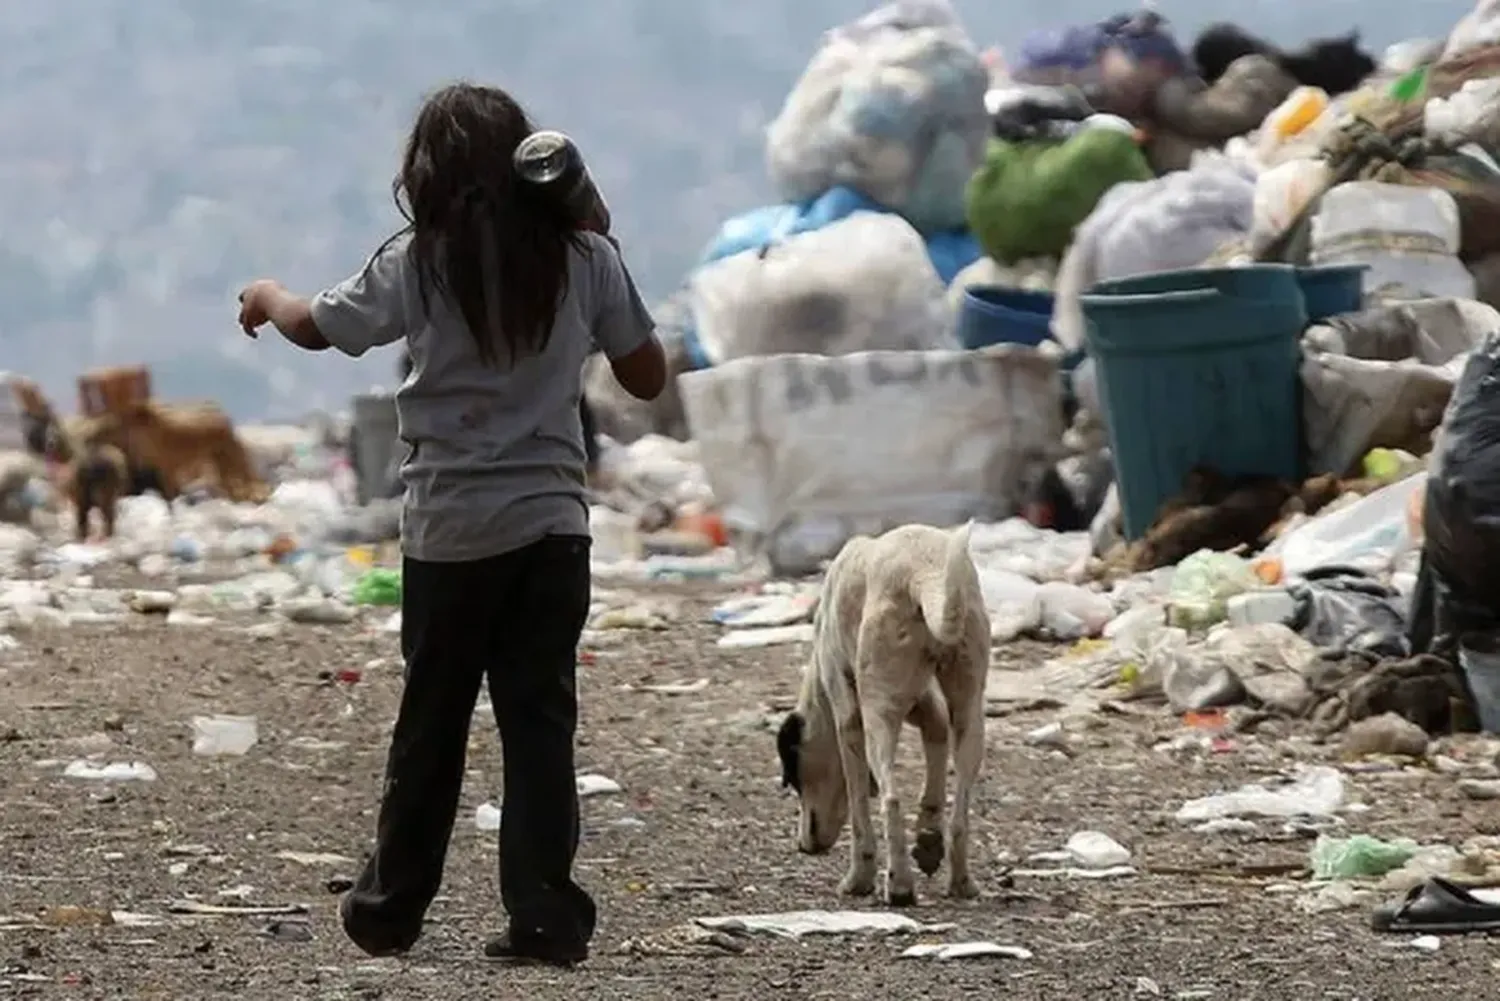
[(1175, 221), (805, 451), (892, 105), (864, 283)]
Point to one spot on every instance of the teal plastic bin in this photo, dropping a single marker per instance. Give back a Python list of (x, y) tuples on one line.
[(1331, 289), (1197, 368)]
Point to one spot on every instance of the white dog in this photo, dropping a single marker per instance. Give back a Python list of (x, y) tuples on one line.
[(901, 636)]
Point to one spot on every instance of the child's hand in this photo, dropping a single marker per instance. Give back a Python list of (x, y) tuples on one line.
[(255, 304)]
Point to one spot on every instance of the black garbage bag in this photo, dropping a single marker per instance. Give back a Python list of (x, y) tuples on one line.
[(1030, 111), (1459, 583), (1343, 611)]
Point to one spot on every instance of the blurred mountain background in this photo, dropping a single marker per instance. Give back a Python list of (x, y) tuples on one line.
[(158, 154)]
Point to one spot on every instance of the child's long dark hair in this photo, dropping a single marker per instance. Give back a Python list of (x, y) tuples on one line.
[(497, 251)]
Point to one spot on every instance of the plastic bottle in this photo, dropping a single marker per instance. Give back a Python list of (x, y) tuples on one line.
[(552, 162), (1302, 107)]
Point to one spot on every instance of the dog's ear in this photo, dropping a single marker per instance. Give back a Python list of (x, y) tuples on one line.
[(789, 749)]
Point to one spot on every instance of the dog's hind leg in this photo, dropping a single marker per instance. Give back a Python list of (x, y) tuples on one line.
[(968, 757), (882, 724), (931, 717)]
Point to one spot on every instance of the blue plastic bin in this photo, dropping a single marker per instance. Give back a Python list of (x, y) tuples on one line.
[(1331, 289), (1197, 368), (994, 314)]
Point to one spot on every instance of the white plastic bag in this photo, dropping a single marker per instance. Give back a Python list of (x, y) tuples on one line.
[(864, 283), (1409, 237), (1478, 28), (1281, 193), (1175, 221), (1461, 114), (805, 451), (1370, 534), (893, 106)]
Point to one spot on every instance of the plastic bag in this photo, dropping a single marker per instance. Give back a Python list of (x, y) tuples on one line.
[(1281, 194), (865, 283), (1368, 534), (1383, 377), (950, 251), (1027, 198), (1461, 516), (1172, 222), (1203, 583), (1359, 857), (1318, 791), (1342, 611), (1026, 111), (1409, 236), (1462, 114), (893, 106), (1478, 28)]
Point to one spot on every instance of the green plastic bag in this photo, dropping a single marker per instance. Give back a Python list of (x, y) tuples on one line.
[(1359, 857), (1027, 198), (378, 587)]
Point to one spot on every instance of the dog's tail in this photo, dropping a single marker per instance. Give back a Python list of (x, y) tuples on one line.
[(943, 594)]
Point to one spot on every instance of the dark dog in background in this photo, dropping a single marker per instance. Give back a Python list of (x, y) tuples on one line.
[(97, 478), (1337, 65)]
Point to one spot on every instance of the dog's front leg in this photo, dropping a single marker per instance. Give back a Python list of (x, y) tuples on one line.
[(968, 756), (882, 731), (859, 881)]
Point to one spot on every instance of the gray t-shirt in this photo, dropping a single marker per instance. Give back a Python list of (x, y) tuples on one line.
[(495, 457)]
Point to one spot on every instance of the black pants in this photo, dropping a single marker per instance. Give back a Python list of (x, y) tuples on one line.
[(515, 620)]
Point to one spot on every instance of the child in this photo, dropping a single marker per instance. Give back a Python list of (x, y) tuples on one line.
[(499, 296)]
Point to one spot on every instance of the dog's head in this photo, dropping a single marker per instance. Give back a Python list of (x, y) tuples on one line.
[(813, 768)]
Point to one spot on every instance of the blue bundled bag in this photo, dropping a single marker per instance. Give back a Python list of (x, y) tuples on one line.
[(951, 251)]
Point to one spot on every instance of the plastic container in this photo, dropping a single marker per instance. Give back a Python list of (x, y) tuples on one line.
[(994, 314), (1408, 236), (1195, 368), (1291, 118), (1479, 657), (374, 433), (1331, 289)]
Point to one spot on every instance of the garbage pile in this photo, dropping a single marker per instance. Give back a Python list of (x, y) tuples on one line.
[(1203, 323), (1199, 334)]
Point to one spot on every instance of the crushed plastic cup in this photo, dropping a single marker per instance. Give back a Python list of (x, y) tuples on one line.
[(224, 736)]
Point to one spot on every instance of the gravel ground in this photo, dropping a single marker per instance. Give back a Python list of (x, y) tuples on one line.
[(702, 828)]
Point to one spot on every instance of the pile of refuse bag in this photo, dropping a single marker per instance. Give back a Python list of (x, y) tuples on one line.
[(1202, 334), (1165, 299)]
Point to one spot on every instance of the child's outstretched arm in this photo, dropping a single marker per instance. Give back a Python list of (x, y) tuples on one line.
[(366, 310), (266, 301)]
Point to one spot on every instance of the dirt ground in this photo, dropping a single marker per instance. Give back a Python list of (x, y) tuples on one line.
[(701, 828)]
